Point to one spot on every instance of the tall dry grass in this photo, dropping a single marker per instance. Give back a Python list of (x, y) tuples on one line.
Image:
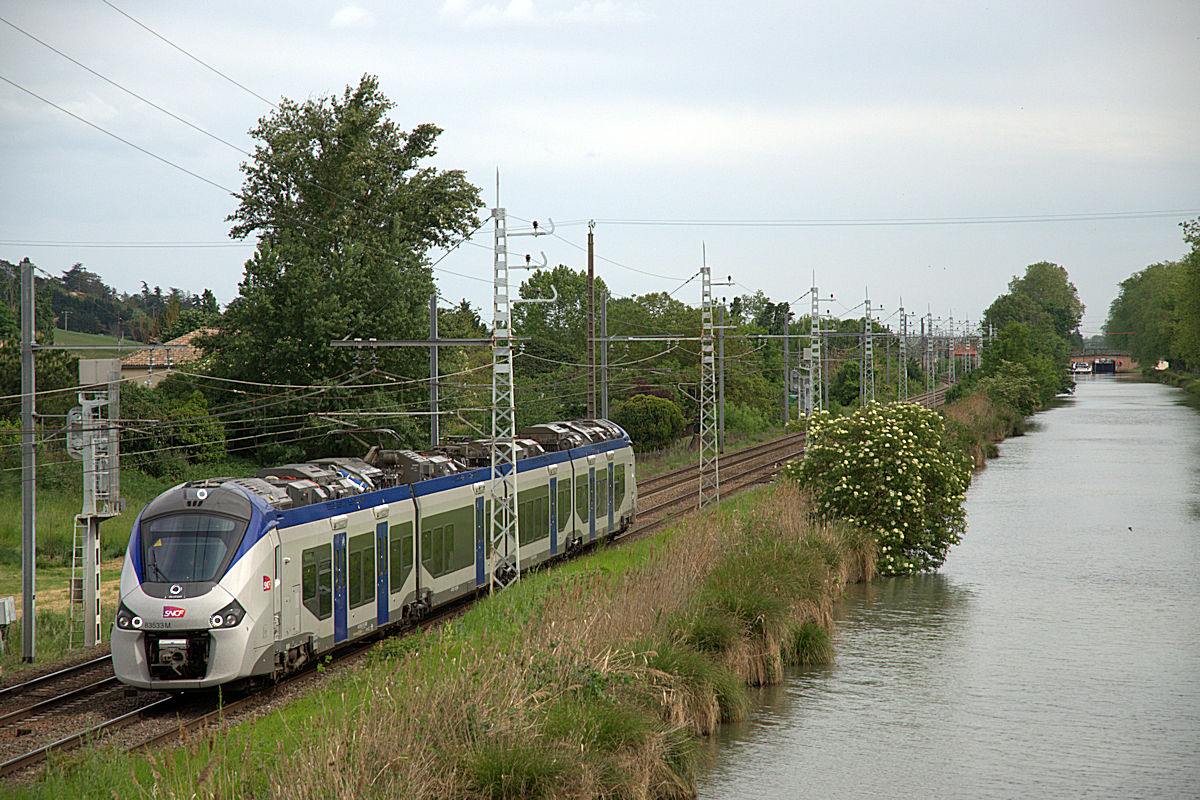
[(590, 680), (975, 424)]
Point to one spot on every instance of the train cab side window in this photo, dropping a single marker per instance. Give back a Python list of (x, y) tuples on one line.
[(361, 572), (401, 554), (317, 580), (564, 504)]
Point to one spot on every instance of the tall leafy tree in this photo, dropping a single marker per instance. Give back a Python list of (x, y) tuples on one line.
[(1043, 297), (345, 208)]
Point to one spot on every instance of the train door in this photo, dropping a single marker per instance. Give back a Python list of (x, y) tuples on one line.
[(339, 586), (381, 572), (480, 539), (553, 515), (277, 593)]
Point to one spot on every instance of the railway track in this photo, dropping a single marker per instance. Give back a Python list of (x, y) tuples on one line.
[(36, 711)]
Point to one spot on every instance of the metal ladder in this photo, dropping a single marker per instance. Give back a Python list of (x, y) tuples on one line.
[(75, 628)]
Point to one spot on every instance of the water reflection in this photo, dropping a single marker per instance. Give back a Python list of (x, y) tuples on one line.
[(1057, 653)]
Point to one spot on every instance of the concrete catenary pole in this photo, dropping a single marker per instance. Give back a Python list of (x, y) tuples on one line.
[(28, 470)]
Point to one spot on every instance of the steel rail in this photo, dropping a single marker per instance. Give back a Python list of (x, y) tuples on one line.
[(74, 740), (58, 699), (17, 688)]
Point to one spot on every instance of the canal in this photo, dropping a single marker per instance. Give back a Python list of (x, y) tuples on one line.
[(1056, 654)]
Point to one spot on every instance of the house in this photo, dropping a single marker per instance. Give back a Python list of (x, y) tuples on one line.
[(150, 365)]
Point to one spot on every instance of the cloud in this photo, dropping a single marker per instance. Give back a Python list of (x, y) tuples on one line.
[(352, 17), (92, 108), (472, 13)]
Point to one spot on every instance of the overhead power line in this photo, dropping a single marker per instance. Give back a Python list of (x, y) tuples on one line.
[(120, 245), (899, 221), (123, 140), (197, 59)]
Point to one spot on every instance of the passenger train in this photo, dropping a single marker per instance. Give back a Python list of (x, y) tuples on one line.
[(230, 579)]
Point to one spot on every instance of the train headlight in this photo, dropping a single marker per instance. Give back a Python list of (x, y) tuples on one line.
[(228, 617), (127, 620)]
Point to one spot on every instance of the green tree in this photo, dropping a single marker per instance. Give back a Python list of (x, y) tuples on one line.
[(1053, 300), (1186, 341), (345, 209), (651, 422), (1142, 317)]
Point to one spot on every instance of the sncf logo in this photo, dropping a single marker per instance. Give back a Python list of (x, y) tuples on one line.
[(172, 612)]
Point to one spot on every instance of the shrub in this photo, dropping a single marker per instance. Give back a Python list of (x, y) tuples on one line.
[(743, 418), (651, 422), (887, 470)]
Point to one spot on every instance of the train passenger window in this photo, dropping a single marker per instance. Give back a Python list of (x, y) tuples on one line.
[(619, 486), (564, 504), (581, 499), (401, 545), (601, 493), (437, 549), (361, 571), (533, 516), (316, 569)]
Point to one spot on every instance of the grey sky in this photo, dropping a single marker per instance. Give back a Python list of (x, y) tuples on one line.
[(610, 110)]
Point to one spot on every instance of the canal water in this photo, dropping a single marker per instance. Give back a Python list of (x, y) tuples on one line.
[(1056, 654)]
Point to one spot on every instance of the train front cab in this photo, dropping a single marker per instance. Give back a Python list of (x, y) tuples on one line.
[(198, 605)]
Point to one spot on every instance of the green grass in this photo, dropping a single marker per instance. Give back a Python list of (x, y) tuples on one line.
[(64, 337)]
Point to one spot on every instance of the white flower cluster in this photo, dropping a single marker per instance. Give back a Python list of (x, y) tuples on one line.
[(887, 469)]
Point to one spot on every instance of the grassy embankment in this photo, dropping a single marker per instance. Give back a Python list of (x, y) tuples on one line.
[(593, 679), (1180, 380)]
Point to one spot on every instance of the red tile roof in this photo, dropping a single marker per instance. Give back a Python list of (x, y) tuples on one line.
[(160, 357)]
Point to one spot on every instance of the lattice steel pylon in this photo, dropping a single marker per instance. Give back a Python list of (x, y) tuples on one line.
[(814, 346), (504, 539), (950, 345), (902, 374), (930, 357), (710, 481), (868, 366)]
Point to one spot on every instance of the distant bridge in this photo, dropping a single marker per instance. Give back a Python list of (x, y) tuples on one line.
[(1123, 361)]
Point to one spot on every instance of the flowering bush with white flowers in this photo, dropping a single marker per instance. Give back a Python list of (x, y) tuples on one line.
[(886, 469)]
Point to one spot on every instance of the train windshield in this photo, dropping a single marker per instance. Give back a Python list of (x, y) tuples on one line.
[(189, 548)]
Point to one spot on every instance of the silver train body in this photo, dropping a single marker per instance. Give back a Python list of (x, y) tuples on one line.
[(236, 578)]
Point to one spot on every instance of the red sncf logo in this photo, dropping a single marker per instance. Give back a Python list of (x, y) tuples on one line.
[(172, 612)]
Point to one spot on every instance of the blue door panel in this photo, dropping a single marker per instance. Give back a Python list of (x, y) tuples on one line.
[(381, 573), (480, 532), (339, 587)]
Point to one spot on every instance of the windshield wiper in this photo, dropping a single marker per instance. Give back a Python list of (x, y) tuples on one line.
[(158, 572)]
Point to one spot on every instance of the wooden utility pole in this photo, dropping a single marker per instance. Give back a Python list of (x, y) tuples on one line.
[(591, 323)]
